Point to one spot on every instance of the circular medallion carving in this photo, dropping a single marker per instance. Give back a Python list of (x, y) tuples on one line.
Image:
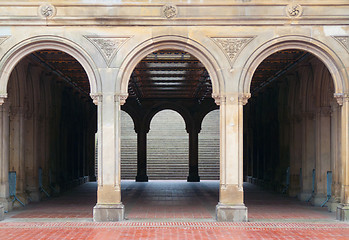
[(294, 10), (47, 10), (170, 11)]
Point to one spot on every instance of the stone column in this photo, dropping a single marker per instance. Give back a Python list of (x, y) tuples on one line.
[(322, 154), (343, 208), (142, 154), (4, 156), (231, 205), (193, 154), (109, 206)]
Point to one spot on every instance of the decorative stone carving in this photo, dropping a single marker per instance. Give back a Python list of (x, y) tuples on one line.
[(47, 10), (243, 98), (170, 11), (96, 98), (107, 46), (343, 40), (3, 38), (294, 10), (232, 46), (218, 99), (341, 98), (121, 98)]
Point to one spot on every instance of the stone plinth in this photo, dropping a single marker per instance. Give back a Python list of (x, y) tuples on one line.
[(108, 212), (231, 213), (343, 212)]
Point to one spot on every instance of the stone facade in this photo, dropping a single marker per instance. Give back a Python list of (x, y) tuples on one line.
[(109, 38)]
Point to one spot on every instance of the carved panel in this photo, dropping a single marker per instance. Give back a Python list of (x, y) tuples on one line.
[(294, 10), (169, 11), (108, 46), (232, 46), (343, 40)]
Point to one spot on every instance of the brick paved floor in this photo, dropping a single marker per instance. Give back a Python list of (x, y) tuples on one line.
[(171, 210)]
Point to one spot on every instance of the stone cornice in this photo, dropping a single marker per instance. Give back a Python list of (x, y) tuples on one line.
[(205, 12)]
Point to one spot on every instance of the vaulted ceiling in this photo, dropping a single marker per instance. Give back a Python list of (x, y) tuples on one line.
[(168, 74)]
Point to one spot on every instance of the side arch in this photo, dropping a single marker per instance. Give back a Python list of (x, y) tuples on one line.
[(317, 48), (25, 47), (170, 42)]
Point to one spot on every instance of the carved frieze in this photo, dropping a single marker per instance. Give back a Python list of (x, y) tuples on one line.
[(107, 46), (343, 40), (232, 46)]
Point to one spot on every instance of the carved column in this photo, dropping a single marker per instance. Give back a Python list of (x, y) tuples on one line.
[(4, 156), (193, 154), (343, 209), (231, 205), (142, 154), (109, 206)]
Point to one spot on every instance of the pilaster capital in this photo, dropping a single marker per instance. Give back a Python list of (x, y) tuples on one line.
[(341, 98), (2, 98), (218, 99), (96, 98), (121, 98), (243, 98)]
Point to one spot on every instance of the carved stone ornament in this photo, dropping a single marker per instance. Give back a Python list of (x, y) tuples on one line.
[(341, 98), (47, 10), (107, 46), (3, 38), (170, 11), (343, 40), (294, 10), (96, 98), (232, 46), (243, 98), (121, 98)]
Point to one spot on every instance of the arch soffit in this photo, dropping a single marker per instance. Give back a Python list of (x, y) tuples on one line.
[(168, 106), (170, 42), (315, 47), (14, 55)]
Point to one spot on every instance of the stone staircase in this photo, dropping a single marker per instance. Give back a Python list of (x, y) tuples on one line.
[(167, 148)]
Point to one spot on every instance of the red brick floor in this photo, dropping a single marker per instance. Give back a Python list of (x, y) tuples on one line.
[(171, 210)]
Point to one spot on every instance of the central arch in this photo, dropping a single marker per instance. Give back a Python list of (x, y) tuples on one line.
[(176, 43)]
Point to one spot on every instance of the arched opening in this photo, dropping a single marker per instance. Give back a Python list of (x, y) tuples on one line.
[(49, 126), (170, 91), (167, 148), (291, 131), (209, 147)]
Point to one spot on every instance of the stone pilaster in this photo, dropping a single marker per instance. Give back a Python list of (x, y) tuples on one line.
[(4, 157), (109, 206), (343, 208), (231, 205)]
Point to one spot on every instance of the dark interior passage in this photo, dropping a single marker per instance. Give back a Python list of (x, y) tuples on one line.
[(289, 128), (51, 125)]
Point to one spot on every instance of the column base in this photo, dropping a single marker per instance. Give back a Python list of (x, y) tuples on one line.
[(2, 212), (304, 196), (108, 212), (332, 204), (343, 212), (7, 204), (193, 178), (143, 178), (231, 213), (318, 200)]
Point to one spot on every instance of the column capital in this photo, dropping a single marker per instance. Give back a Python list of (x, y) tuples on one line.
[(341, 98), (121, 98), (243, 98), (96, 98), (3, 96)]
